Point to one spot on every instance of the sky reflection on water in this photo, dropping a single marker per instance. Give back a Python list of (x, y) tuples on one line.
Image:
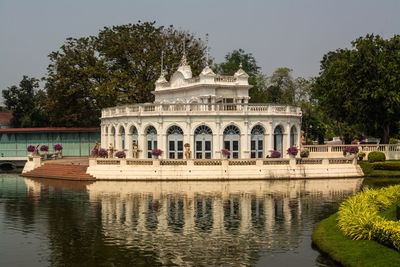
[(255, 223)]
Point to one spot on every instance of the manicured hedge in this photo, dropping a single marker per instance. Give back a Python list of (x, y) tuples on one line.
[(375, 156), (387, 165), (358, 216)]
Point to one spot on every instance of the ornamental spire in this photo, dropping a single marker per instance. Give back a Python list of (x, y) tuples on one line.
[(183, 60)]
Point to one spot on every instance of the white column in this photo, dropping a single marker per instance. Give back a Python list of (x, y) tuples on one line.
[(246, 141), (217, 142), (286, 141), (271, 144), (118, 142), (142, 145), (128, 145)]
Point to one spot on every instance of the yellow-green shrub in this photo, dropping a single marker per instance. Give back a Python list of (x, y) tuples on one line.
[(358, 216)]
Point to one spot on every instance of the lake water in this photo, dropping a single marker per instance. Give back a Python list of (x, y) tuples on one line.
[(241, 223)]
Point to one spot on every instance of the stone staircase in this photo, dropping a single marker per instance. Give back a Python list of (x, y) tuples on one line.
[(61, 171)]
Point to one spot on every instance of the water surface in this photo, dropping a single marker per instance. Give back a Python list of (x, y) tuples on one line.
[(241, 223)]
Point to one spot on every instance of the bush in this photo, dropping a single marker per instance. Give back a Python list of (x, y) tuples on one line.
[(358, 216), (361, 154), (103, 153), (275, 154), (375, 156), (393, 141), (120, 154), (292, 151), (304, 153), (30, 148), (351, 149), (57, 147), (387, 165), (44, 148)]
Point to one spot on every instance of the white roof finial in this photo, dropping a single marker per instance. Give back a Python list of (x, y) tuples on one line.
[(240, 65), (183, 60)]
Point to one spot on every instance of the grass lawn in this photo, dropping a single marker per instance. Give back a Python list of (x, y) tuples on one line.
[(370, 172), (348, 252)]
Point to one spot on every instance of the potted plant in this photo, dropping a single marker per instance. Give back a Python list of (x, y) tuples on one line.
[(103, 153), (30, 149), (225, 152), (58, 148), (292, 151), (120, 154), (351, 151), (304, 153), (275, 154), (361, 155), (44, 149), (156, 153)]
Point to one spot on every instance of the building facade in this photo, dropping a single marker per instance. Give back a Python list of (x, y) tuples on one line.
[(205, 113)]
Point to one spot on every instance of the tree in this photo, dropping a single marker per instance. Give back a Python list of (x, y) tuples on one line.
[(26, 103), (361, 86), (118, 66), (249, 65)]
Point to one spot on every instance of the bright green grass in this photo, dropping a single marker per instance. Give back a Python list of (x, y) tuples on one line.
[(370, 172), (350, 252)]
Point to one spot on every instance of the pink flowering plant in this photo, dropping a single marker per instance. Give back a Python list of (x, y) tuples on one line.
[(351, 149), (30, 148), (57, 147), (103, 153), (225, 152), (156, 152), (44, 148), (292, 151), (120, 154), (275, 154)]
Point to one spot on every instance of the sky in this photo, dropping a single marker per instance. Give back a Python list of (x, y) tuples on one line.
[(284, 33)]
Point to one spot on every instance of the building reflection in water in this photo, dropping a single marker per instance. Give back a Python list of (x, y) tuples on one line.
[(211, 223)]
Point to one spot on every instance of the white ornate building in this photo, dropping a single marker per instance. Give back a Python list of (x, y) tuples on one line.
[(209, 112)]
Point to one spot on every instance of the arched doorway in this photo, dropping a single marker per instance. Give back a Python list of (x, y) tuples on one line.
[(278, 139), (151, 137), (175, 142), (122, 134), (134, 137), (232, 141), (293, 136), (257, 142), (203, 142)]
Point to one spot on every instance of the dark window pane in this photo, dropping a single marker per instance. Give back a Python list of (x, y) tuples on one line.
[(253, 155), (260, 154), (227, 145), (208, 145), (198, 155), (171, 145), (149, 145), (235, 155), (208, 155), (253, 144), (148, 155), (180, 145), (198, 145), (260, 145), (171, 155), (180, 155), (235, 145), (155, 144)]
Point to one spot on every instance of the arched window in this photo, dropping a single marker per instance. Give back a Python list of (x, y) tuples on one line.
[(151, 137), (134, 133), (232, 140), (293, 135), (175, 142), (257, 142), (203, 142), (278, 139), (122, 133)]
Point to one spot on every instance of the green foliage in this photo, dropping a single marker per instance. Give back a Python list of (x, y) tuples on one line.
[(393, 141), (304, 152), (362, 80), (118, 66), (387, 165), (350, 252), (375, 156), (26, 103), (358, 216), (361, 154)]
